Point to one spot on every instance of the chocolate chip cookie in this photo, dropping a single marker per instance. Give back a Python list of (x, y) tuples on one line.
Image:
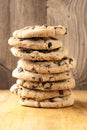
[(48, 86), (50, 103), (42, 43), (38, 94), (40, 31), (36, 77), (63, 65), (40, 55)]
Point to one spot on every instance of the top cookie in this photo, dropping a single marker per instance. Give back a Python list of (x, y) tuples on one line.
[(40, 31)]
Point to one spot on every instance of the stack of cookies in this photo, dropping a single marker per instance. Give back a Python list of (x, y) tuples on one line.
[(44, 68)]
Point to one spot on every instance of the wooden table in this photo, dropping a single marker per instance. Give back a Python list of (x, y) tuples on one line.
[(16, 117)]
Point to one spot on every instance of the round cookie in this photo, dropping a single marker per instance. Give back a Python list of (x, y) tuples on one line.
[(40, 55), (36, 43), (36, 77), (48, 86), (37, 94), (51, 103), (62, 65), (40, 31)]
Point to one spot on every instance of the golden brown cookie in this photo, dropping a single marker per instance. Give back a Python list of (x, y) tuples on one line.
[(40, 31)]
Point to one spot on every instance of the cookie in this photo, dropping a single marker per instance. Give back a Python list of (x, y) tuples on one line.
[(48, 86), (40, 55), (36, 77), (38, 94), (51, 103), (63, 65), (36, 43), (40, 31)]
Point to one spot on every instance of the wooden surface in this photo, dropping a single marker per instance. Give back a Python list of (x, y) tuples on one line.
[(15, 14), (16, 117)]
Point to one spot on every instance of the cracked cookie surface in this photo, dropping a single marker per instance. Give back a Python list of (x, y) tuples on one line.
[(40, 31)]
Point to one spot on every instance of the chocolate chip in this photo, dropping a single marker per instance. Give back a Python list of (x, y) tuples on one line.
[(33, 27), (49, 44), (61, 92), (33, 69), (20, 88), (65, 58), (50, 77), (33, 57), (33, 77), (43, 83), (16, 91), (46, 25), (57, 62), (48, 71), (70, 60), (20, 69), (55, 27), (65, 32), (40, 79), (51, 85)]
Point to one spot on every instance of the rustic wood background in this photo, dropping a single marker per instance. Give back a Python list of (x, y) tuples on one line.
[(15, 14)]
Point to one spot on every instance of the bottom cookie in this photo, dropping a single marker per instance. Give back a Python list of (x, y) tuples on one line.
[(51, 103)]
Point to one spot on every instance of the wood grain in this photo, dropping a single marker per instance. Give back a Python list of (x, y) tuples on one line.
[(15, 14), (72, 14), (5, 57), (15, 117)]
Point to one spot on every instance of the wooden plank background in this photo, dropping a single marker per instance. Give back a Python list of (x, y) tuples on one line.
[(15, 14)]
